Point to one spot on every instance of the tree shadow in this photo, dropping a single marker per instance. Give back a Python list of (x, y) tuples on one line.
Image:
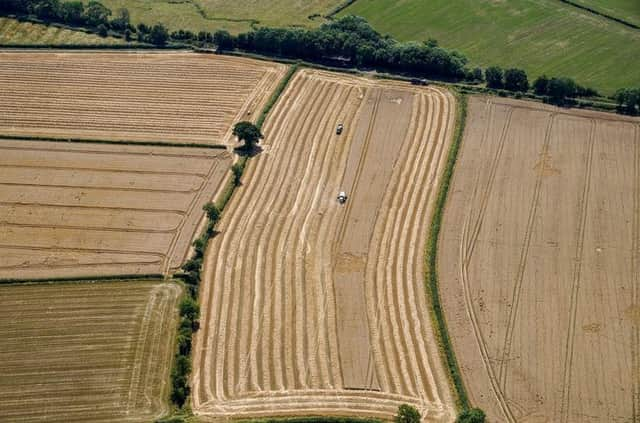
[(242, 151)]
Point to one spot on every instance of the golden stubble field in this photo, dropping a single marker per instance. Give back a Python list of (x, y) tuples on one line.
[(80, 352), (310, 307), (76, 209), (539, 263), (179, 97)]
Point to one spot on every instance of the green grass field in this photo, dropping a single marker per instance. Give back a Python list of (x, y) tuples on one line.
[(13, 32), (543, 36), (234, 16), (628, 10)]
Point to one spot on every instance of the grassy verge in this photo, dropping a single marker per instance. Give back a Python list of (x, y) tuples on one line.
[(437, 314), (153, 276), (120, 142), (192, 272)]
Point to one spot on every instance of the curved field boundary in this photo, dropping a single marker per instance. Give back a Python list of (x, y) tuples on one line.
[(252, 339), (462, 400), (546, 226)]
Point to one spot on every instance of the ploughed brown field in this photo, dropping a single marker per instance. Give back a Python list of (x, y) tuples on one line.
[(539, 263), (313, 307), (175, 97), (86, 352), (87, 209)]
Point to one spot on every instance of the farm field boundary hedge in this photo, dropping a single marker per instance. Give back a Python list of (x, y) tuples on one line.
[(189, 309), (431, 277), (604, 15), (117, 142), (151, 276)]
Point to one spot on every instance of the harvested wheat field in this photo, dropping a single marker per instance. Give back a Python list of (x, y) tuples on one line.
[(80, 209), (79, 352), (539, 261), (314, 307), (173, 97)]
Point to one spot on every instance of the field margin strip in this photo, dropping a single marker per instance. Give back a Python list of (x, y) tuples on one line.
[(148, 276), (431, 256), (111, 142)]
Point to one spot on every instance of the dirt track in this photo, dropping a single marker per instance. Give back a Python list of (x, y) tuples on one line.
[(72, 209), (302, 297), (178, 97), (97, 352), (539, 262)]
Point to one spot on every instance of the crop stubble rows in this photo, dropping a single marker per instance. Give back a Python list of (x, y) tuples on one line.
[(540, 285), (73, 209), (178, 97), (275, 332), (77, 352)]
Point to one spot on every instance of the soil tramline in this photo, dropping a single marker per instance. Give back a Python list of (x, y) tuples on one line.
[(179, 97), (77, 352), (540, 250), (301, 296)]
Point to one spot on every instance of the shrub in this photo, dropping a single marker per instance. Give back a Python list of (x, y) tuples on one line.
[(407, 414), (102, 30), (473, 415)]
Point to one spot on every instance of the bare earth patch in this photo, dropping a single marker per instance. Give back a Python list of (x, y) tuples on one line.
[(313, 307), (178, 97), (75, 209), (539, 263), (79, 352)]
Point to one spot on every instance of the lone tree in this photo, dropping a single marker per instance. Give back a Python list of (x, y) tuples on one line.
[(407, 414), (247, 132)]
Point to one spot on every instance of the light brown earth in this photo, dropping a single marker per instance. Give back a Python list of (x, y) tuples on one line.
[(79, 352), (539, 261), (312, 307), (76, 209), (176, 97)]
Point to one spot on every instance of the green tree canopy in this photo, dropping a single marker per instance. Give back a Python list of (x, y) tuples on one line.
[(494, 75), (407, 414), (473, 415), (516, 80), (247, 132)]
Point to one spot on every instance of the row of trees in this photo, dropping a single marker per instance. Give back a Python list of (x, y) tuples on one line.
[(557, 90), (93, 15), (348, 41), (352, 41)]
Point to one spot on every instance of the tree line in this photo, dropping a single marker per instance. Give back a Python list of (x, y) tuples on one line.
[(93, 15), (349, 41)]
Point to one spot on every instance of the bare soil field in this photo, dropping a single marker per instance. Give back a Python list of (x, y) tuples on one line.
[(178, 97), (539, 263), (314, 307), (79, 352), (79, 209)]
